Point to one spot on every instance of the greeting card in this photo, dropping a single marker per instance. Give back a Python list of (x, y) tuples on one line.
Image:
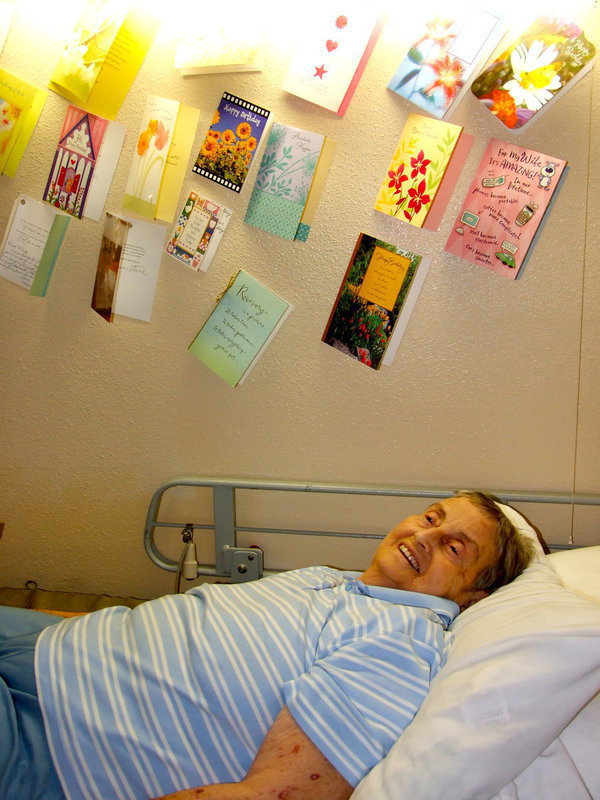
[(160, 159), (290, 175), (32, 241), (436, 70), (198, 232), (375, 300), (507, 202), (231, 142), (235, 335), (21, 104), (84, 164), (128, 267), (212, 43), (539, 66), (423, 171), (101, 59), (333, 50)]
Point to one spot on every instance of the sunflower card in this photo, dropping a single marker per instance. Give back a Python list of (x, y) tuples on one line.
[(536, 68), (231, 142), (423, 171), (449, 47)]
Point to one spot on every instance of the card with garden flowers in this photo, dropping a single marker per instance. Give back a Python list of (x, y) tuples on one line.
[(451, 45), (231, 142), (375, 301), (535, 69), (103, 55), (423, 171)]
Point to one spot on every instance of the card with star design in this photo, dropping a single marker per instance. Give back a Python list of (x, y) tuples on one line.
[(332, 53)]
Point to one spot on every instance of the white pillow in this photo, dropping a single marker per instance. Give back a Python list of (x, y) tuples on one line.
[(579, 570), (524, 661)]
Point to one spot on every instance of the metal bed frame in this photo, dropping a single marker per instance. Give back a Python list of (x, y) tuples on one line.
[(240, 564)]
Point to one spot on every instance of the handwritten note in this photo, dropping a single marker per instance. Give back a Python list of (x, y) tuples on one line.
[(28, 243), (139, 269)]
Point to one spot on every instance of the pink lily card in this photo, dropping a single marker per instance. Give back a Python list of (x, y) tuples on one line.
[(84, 164), (423, 171), (451, 44), (333, 50)]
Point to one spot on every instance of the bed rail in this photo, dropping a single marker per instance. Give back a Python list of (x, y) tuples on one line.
[(246, 563)]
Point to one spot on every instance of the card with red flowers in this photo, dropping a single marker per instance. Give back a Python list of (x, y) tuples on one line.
[(434, 75), (501, 216), (423, 171), (375, 301)]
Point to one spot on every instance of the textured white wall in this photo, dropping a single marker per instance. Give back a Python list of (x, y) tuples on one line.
[(495, 384)]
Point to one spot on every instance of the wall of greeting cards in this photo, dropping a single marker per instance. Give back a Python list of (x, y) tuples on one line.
[(348, 244)]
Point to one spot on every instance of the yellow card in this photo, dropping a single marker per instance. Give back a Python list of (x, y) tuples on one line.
[(384, 278), (177, 162)]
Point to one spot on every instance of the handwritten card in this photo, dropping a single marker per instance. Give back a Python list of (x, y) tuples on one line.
[(231, 142), (128, 268), (31, 245), (198, 232), (235, 335)]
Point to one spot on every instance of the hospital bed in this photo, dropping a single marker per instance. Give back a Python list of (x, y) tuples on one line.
[(515, 712)]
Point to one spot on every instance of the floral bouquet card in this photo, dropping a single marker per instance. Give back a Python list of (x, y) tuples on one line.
[(436, 70), (84, 164), (101, 59), (501, 217), (375, 300), (198, 232), (423, 171), (231, 142), (333, 50), (286, 179), (160, 159), (536, 68)]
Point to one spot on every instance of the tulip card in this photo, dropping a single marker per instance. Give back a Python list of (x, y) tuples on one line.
[(332, 53), (289, 181), (160, 159), (501, 216), (103, 55), (423, 171), (231, 142), (198, 232), (436, 70), (375, 300), (84, 164), (536, 68), (32, 243)]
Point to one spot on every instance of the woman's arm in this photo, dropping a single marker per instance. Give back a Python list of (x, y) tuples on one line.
[(288, 766)]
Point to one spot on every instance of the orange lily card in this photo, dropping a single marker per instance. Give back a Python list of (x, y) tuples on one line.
[(423, 171)]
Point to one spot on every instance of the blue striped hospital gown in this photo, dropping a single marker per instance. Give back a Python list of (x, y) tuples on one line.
[(180, 691)]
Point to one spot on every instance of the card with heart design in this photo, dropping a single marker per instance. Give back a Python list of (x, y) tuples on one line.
[(333, 51)]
